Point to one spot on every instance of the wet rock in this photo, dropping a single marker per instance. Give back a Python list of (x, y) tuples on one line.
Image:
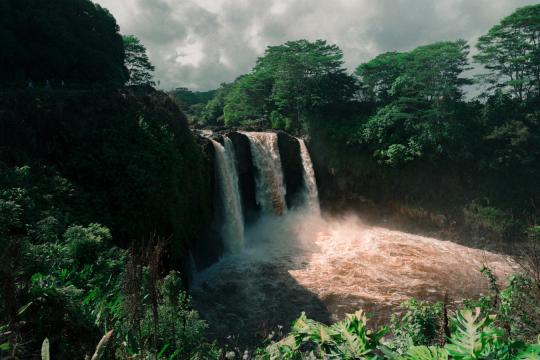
[(291, 162), (246, 175), (208, 249)]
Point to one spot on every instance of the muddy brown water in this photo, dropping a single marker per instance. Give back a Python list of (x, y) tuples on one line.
[(330, 267)]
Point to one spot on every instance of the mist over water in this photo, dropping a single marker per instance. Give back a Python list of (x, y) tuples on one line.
[(329, 267)]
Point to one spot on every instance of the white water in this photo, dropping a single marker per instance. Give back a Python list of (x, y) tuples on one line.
[(311, 192), (328, 267), (270, 188), (233, 227)]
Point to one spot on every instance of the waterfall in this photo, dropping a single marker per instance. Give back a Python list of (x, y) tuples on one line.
[(233, 227), (310, 184), (270, 189)]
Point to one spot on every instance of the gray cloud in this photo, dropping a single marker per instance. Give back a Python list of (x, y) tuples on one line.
[(202, 43)]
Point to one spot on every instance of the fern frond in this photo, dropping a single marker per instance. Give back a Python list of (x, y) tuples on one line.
[(426, 353)]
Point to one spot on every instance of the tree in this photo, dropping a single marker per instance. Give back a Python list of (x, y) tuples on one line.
[(212, 114), (305, 75), (436, 68), (248, 98), (419, 91), (289, 81), (511, 51), (137, 62), (74, 41)]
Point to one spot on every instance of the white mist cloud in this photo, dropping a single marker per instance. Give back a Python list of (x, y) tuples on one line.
[(201, 43)]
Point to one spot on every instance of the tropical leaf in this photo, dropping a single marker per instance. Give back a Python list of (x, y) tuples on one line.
[(425, 353), (45, 351), (532, 352), (466, 341)]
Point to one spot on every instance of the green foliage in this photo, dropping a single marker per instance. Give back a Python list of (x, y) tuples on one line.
[(347, 339), (415, 89), (212, 114), (520, 308), (132, 157), (137, 62), (433, 70), (85, 243), (132, 164), (45, 352), (247, 98), (473, 337), (180, 331), (425, 353), (201, 107), (75, 41), (288, 82), (419, 324), (511, 51), (487, 218)]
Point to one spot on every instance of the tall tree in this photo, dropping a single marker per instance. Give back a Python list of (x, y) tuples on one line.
[(75, 41), (137, 62), (511, 51), (420, 91), (306, 75), (290, 80), (435, 67)]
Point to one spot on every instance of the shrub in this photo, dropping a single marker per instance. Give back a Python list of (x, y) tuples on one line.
[(85, 242), (488, 220), (419, 324)]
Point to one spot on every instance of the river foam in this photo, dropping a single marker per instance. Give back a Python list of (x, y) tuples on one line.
[(329, 267)]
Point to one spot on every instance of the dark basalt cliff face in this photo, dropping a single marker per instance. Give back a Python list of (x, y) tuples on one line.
[(246, 175), (209, 247), (291, 163)]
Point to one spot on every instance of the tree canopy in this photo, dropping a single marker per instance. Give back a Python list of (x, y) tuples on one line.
[(289, 81), (511, 53), (418, 91), (75, 41), (138, 64), (434, 70)]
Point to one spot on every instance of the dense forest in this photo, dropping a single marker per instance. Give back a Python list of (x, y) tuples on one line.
[(105, 193)]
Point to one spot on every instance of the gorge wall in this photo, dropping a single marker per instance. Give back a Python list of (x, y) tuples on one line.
[(126, 157)]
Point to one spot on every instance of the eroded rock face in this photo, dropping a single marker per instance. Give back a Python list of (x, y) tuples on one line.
[(209, 246), (291, 162), (246, 175)]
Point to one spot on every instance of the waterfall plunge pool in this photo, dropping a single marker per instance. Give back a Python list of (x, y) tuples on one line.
[(328, 267)]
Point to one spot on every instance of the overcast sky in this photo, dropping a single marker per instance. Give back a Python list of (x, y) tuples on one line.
[(201, 43)]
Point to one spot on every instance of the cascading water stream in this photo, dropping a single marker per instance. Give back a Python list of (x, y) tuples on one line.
[(233, 226), (310, 184), (270, 188)]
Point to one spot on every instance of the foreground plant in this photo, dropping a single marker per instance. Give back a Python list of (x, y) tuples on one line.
[(473, 337)]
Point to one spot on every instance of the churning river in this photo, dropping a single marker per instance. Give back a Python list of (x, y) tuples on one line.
[(304, 261)]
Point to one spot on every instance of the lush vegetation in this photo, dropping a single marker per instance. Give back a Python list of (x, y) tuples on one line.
[(75, 42), (103, 189), (83, 176), (195, 103), (405, 130)]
